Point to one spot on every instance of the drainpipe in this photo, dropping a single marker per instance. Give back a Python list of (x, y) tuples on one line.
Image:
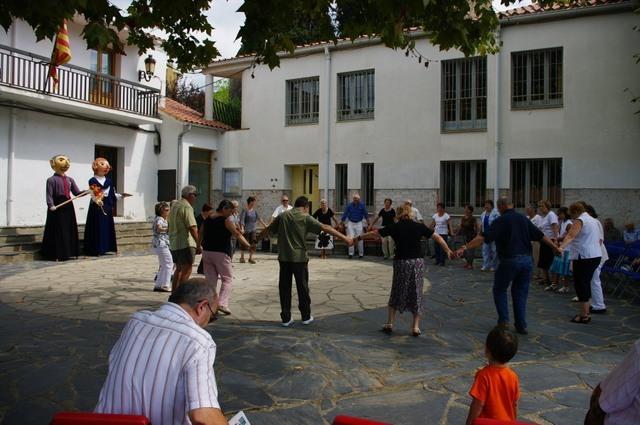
[(496, 187), (11, 148), (185, 129), (327, 110)]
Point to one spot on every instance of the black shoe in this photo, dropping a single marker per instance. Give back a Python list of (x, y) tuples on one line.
[(597, 310), (522, 331), (351, 257)]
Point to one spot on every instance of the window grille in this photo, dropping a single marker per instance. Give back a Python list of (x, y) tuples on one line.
[(463, 183), (533, 180), (341, 186), (464, 94), (536, 78), (356, 95), (367, 190), (303, 101)]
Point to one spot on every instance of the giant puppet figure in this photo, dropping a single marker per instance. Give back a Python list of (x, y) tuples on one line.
[(100, 232), (60, 240)]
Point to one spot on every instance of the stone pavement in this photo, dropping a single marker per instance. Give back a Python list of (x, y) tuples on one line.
[(59, 321)]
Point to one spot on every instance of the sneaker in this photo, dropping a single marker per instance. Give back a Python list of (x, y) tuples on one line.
[(483, 269), (575, 300), (287, 324), (551, 287), (597, 310), (563, 290), (158, 289), (308, 321)]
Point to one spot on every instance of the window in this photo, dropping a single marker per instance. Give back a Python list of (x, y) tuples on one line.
[(464, 94), (533, 180), (102, 62), (303, 101), (536, 78), (356, 95), (463, 183), (232, 181), (366, 178), (341, 186)]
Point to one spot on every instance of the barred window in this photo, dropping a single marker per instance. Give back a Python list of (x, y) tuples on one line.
[(356, 95), (367, 189), (463, 183), (341, 186), (536, 78), (533, 180), (303, 101), (464, 94)]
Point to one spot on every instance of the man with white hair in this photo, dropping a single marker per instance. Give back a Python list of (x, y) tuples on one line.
[(415, 213), (356, 217), (183, 235)]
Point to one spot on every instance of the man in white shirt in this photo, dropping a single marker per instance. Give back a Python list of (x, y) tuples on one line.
[(284, 206), (616, 400), (162, 365), (537, 221), (417, 217)]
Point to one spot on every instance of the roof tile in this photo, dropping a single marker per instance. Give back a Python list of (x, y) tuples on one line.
[(183, 113)]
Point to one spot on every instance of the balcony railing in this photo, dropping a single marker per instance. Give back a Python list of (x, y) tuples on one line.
[(226, 113), (29, 71)]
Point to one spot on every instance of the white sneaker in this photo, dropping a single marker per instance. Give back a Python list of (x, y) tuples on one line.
[(483, 269), (308, 321), (551, 288), (287, 324)]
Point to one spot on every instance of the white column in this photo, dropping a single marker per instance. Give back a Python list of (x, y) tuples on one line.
[(208, 97)]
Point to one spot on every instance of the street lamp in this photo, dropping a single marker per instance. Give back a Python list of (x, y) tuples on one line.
[(149, 68)]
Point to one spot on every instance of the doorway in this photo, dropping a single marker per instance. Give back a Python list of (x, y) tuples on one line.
[(304, 182), (200, 175), (110, 154)]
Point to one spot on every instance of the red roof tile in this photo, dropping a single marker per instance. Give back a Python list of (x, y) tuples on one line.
[(535, 8), (183, 113)]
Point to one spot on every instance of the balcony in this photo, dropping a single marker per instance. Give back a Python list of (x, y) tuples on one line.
[(23, 80)]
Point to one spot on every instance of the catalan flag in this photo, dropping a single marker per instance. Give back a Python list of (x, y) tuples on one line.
[(61, 52)]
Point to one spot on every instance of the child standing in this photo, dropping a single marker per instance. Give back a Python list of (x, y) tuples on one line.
[(496, 388)]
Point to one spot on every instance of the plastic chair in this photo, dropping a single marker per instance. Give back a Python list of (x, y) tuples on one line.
[(84, 418), (484, 421), (350, 420)]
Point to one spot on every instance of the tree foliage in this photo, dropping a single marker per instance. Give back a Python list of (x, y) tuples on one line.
[(271, 26), (187, 93)]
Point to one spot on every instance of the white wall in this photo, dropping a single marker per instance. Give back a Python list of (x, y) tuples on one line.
[(41, 136), (595, 131)]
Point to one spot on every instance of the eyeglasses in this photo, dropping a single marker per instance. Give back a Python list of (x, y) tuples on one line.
[(214, 315)]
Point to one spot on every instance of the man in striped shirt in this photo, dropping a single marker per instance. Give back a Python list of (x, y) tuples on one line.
[(162, 365)]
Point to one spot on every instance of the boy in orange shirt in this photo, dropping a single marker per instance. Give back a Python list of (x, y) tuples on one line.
[(496, 389)]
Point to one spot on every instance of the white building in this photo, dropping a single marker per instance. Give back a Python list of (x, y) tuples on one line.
[(549, 117)]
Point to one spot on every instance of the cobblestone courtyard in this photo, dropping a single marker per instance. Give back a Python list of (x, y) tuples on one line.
[(59, 321)]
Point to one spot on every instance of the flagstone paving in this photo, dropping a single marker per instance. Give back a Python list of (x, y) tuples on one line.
[(59, 321)]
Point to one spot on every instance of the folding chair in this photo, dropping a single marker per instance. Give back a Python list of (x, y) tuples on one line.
[(612, 266), (84, 418), (350, 420), (632, 273)]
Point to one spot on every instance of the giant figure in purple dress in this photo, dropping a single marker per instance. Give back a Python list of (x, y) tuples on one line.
[(60, 239), (100, 231)]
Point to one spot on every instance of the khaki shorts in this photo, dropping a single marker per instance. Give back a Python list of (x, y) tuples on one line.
[(184, 257)]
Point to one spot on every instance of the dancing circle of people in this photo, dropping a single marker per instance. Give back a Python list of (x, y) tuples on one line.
[(563, 245)]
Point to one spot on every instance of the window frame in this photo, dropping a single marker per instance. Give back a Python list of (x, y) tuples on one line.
[(368, 92), (297, 118), (226, 184), (477, 184), (478, 70), (545, 188), (367, 184), (341, 185), (547, 101)]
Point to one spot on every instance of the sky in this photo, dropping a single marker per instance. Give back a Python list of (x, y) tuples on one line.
[(226, 22)]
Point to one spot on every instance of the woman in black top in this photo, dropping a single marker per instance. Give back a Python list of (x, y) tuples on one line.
[(324, 241), (215, 238), (388, 216), (408, 266), (468, 230)]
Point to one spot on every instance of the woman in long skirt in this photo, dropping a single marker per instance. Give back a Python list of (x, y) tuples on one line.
[(408, 266)]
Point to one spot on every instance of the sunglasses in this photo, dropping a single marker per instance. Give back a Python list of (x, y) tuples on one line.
[(214, 315)]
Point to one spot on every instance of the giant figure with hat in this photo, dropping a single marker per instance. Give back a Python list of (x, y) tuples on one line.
[(100, 232), (60, 240)]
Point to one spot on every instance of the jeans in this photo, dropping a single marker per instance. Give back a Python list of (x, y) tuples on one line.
[(489, 256), (301, 272), (516, 272), (440, 255)]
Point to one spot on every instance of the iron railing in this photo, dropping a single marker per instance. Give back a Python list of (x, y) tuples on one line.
[(30, 72), (226, 113)]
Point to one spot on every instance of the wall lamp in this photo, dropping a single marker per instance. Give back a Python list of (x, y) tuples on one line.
[(149, 68)]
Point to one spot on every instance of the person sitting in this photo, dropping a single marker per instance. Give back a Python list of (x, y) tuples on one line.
[(611, 232), (496, 389), (630, 234), (162, 365)]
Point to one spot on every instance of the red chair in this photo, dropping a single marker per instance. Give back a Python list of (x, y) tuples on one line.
[(484, 421), (349, 420), (84, 418)]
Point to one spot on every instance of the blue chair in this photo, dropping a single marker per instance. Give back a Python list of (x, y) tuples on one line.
[(631, 272)]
